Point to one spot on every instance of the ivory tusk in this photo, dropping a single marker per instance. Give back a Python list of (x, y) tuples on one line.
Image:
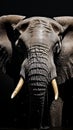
[(18, 87), (55, 87)]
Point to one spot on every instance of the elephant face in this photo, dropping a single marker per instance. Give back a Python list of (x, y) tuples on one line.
[(41, 38), (41, 41)]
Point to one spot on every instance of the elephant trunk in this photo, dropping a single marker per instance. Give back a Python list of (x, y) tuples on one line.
[(38, 70), (37, 82), (41, 70)]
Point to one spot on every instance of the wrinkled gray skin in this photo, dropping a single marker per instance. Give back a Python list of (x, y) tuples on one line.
[(47, 46)]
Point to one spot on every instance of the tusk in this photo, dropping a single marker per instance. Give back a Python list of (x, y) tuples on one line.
[(18, 87), (55, 87)]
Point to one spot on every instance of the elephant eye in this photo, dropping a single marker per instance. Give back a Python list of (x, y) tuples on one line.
[(20, 45), (57, 47)]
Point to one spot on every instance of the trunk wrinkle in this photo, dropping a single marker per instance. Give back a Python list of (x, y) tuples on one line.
[(38, 75)]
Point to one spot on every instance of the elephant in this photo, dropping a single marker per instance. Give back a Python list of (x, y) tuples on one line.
[(44, 50), (48, 59), (35, 33)]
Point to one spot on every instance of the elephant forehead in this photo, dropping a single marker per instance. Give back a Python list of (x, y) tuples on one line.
[(34, 23), (39, 25), (39, 31)]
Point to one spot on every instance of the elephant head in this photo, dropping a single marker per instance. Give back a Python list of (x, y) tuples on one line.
[(41, 38), (48, 44)]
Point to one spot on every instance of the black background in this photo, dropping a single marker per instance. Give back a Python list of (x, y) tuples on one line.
[(12, 112), (47, 8)]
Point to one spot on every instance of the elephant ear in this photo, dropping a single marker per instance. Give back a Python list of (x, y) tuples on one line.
[(7, 24), (7, 36), (64, 61)]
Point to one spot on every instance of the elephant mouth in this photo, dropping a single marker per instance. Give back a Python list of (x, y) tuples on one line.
[(21, 82)]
